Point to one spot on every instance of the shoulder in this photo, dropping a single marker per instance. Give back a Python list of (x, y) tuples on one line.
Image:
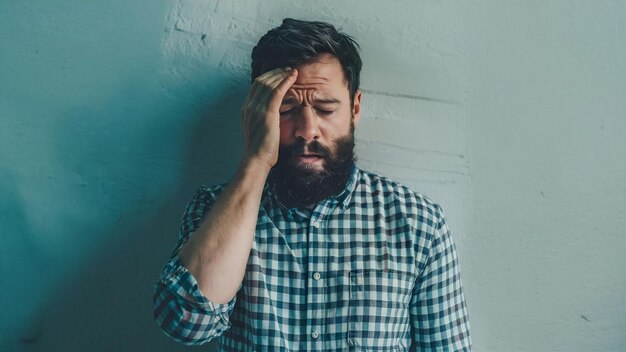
[(205, 195), (202, 200), (396, 196), (215, 189)]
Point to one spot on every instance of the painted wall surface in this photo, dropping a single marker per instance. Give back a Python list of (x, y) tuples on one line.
[(509, 114)]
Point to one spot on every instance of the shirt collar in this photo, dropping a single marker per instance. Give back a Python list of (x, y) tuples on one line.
[(345, 196)]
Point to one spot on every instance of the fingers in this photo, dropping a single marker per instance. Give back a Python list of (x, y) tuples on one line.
[(272, 72), (268, 90), (268, 76), (281, 89), (272, 83)]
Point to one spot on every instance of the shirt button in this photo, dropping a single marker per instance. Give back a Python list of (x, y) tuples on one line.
[(316, 276), (315, 334), (316, 224)]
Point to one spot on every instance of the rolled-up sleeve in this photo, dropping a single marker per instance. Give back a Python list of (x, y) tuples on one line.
[(438, 311), (180, 308)]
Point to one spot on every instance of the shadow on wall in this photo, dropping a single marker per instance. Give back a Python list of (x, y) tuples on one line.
[(106, 304), (16, 237)]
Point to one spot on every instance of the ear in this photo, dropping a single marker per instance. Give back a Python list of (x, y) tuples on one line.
[(356, 108)]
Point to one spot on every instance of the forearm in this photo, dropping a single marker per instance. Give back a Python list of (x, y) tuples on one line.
[(217, 253)]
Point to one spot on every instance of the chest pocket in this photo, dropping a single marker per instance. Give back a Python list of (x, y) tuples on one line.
[(378, 317)]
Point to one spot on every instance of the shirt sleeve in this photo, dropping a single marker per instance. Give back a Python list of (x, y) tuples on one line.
[(180, 308), (439, 316)]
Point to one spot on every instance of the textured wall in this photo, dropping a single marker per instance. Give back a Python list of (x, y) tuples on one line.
[(547, 126), (511, 115)]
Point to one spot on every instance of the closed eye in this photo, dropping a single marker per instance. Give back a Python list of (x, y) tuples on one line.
[(325, 112), (288, 112)]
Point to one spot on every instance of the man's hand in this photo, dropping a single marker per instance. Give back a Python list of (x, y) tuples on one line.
[(261, 117)]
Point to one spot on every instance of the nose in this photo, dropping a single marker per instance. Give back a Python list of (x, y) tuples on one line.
[(307, 125)]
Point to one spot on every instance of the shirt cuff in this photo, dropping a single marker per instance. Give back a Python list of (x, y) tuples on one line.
[(182, 283)]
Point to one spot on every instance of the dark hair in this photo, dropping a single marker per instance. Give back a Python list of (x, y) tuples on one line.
[(295, 43)]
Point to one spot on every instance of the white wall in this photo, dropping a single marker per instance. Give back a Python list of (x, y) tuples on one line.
[(546, 106), (510, 114)]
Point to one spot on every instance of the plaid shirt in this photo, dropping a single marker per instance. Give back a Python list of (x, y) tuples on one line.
[(374, 268)]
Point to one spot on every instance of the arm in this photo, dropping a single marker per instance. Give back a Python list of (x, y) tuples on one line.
[(197, 291), (439, 317), (218, 252)]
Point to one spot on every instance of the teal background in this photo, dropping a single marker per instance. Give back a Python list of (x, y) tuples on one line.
[(510, 114), (100, 153)]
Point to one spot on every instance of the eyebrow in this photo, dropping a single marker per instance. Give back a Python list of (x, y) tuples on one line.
[(326, 101), (291, 100)]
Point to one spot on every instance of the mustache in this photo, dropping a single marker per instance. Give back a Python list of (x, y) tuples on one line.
[(300, 147)]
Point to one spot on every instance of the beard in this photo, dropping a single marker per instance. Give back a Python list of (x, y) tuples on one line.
[(301, 185)]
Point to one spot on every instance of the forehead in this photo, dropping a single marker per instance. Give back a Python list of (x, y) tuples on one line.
[(324, 75)]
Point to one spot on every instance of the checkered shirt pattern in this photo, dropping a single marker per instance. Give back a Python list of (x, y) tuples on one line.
[(373, 268)]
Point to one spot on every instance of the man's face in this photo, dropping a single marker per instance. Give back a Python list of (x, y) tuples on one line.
[(317, 123), (317, 108)]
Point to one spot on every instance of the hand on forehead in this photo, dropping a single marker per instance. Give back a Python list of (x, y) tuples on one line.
[(320, 82)]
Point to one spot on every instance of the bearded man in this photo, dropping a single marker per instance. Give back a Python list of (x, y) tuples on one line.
[(303, 250)]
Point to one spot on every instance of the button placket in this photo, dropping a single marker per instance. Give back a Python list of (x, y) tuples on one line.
[(316, 268)]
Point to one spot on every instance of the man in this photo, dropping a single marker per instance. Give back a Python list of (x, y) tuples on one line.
[(302, 250)]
